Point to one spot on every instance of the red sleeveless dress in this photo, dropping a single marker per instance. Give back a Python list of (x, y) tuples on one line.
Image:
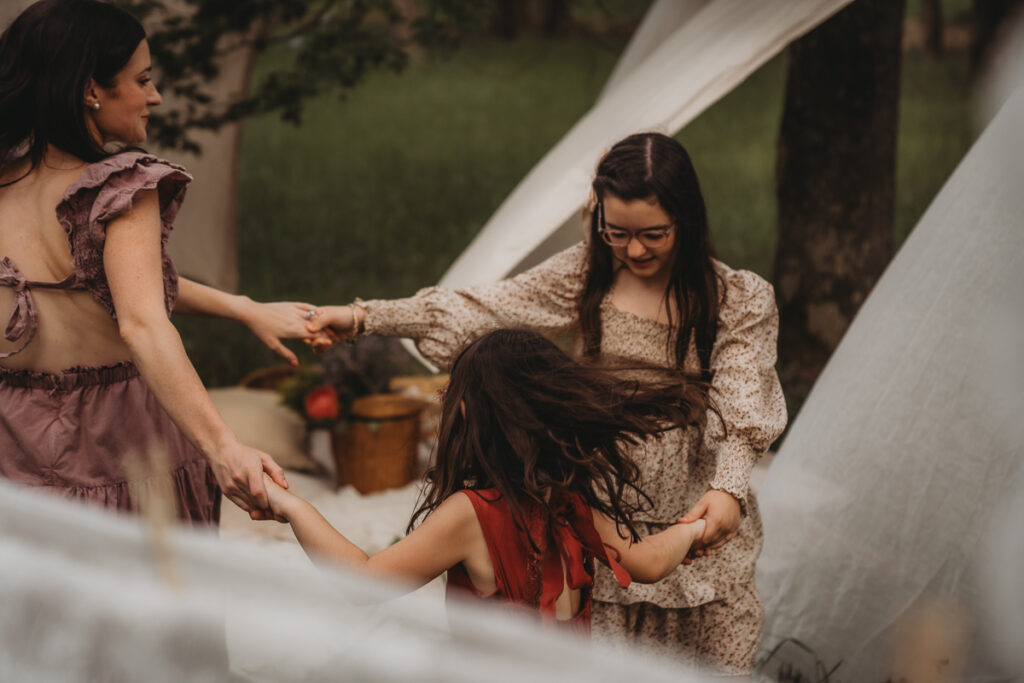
[(532, 578)]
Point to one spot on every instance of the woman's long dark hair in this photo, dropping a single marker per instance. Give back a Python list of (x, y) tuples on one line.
[(47, 57), (522, 417), (640, 167)]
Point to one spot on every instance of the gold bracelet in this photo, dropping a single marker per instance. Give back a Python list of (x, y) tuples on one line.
[(358, 322)]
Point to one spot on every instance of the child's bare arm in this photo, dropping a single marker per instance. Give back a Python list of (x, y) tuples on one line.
[(433, 547), (653, 557), (314, 533)]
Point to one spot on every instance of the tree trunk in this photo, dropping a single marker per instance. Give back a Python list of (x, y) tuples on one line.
[(556, 17), (989, 17), (931, 17), (836, 170), (506, 19)]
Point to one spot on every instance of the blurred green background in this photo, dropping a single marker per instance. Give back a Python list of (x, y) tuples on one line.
[(375, 195)]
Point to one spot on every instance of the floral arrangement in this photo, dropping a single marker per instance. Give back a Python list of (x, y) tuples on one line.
[(323, 392)]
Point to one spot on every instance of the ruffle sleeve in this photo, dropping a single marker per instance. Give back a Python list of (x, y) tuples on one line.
[(745, 384), (442, 320), (104, 191)]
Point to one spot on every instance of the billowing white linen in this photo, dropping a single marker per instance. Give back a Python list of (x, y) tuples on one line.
[(660, 21), (702, 60), (83, 599), (886, 496)]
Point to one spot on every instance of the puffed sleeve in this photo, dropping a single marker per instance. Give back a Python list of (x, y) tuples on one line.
[(106, 190), (745, 384), (441, 320)]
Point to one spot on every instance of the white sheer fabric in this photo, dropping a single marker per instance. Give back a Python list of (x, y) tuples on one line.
[(83, 599), (707, 55), (890, 492), (685, 55), (660, 21)]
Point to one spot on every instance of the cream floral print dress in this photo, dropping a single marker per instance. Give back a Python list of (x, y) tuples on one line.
[(707, 612)]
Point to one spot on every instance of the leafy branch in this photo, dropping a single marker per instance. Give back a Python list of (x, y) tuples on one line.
[(333, 44)]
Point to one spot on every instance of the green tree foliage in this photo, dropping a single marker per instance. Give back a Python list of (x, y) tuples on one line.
[(334, 44)]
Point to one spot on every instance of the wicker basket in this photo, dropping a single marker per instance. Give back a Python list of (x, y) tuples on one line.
[(426, 388), (267, 378), (377, 449)]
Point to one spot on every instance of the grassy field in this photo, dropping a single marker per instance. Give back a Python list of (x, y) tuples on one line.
[(376, 195)]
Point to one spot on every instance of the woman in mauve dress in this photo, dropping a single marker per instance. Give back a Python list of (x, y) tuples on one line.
[(91, 368), (645, 288)]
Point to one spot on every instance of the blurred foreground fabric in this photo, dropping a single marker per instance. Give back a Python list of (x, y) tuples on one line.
[(895, 504), (85, 598)]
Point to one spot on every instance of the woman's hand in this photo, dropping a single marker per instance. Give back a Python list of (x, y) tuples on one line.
[(240, 470), (335, 323), (272, 322), (721, 511)]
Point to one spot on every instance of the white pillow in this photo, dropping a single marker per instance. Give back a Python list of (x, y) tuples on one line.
[(259, 420)]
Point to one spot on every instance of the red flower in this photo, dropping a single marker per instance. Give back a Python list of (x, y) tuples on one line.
[(322, 404)]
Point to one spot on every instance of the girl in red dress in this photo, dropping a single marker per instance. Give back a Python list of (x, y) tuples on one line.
[(530, 483)]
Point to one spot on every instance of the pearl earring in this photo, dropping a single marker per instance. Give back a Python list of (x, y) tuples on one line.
[(96, 106)]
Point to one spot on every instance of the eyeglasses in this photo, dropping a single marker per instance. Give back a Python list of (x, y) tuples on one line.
[(652, 238)]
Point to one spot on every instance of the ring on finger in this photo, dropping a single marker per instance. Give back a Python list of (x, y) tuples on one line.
[(310, 313)]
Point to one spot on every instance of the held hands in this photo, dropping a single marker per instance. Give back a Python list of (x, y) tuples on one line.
[(280, 499), (272, 322), (239, 470), (332, 324), (722, 513), (696, 530)]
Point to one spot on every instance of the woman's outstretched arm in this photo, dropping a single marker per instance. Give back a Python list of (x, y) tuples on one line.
[(270, 322), (442, 320), (653, 557), (133, 263)]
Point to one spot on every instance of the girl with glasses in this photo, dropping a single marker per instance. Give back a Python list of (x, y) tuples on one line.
[(645, 287)]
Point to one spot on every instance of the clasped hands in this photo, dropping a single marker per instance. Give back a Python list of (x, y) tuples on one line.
[(317, 327), (721, 514), (329, 325)]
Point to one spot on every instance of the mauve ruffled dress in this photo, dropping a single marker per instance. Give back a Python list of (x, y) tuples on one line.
[(69, 432)]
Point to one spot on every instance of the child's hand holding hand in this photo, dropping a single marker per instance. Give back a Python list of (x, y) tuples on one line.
[(281, 500), (697, 529), (335, 323), (722, 512)]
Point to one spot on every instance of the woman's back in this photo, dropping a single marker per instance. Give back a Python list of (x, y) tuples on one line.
[(74, 329)]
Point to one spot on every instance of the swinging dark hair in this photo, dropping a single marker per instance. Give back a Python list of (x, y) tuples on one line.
[(47, 56), (649, 165), (522, 417)]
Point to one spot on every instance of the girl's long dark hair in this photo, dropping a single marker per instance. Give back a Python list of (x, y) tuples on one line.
[(640, 167), (522, 417), (47, 57)]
